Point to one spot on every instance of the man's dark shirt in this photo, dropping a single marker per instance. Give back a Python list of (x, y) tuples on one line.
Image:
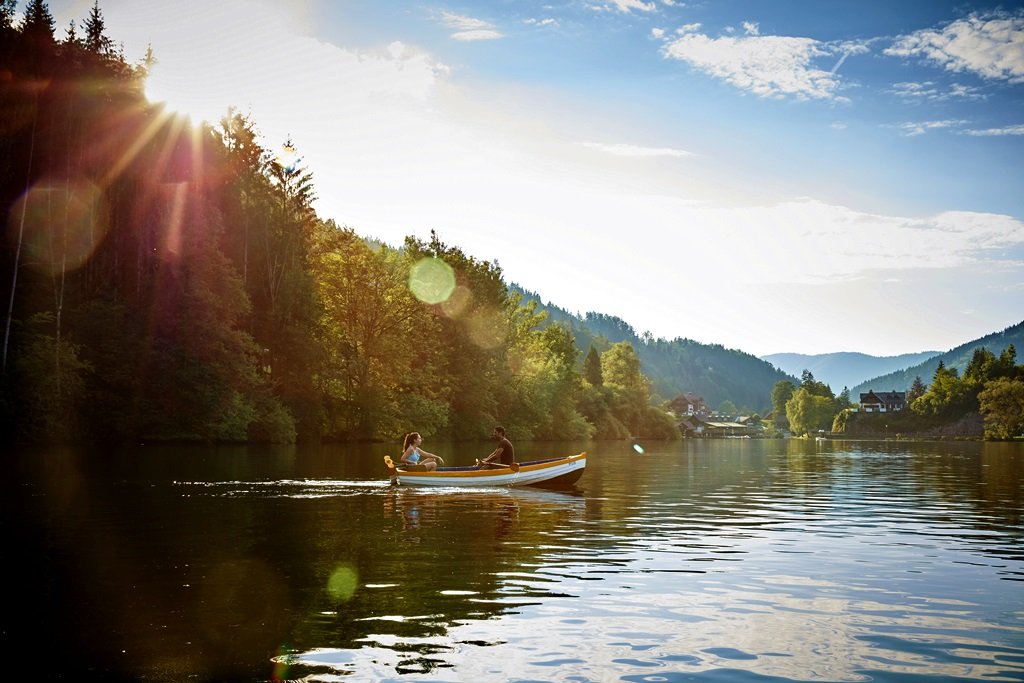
[(508, 453)]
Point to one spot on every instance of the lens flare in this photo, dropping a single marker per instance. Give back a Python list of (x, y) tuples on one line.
[(485, 328), (458, 302), (288, 157), (342, 584), (61, 224), (432, 280)]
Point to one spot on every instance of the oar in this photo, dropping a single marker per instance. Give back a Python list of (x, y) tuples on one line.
[(392, 469), (499, 465)]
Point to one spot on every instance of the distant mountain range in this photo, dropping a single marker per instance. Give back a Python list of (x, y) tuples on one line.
[(846, 369)]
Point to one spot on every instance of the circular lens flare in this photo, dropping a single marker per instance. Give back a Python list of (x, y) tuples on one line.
[(342, 584), (456, 304), (61, 224), (431, 280)]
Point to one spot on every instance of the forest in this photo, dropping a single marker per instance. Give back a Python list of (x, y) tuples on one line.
[(172, 281)]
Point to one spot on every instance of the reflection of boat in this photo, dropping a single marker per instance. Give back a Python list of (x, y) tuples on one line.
[(553, 473)]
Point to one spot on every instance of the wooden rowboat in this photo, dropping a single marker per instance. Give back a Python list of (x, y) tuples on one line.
[(555, 473)]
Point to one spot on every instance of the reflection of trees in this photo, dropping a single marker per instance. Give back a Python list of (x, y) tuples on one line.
[(428, 559)]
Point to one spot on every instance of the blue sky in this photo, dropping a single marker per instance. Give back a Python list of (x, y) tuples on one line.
[(770, 176)]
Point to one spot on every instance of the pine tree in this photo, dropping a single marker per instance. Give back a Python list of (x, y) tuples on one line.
[(7, 10), (71, 36), (592, 368), (917, 390), (38, 23), (95, 40)]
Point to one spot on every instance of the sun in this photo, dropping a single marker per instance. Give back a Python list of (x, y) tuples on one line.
[(183, 94)]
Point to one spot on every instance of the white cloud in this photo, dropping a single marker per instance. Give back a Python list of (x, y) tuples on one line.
[(751, 28), (915, 128), (630, 5), (1006, 130), (688, 28), (990, 45), (769, 66), (548, 21), (924, 90), (847, 244), (479, 34), (658, 33), (626, 150), (464, 23), (470, 28), (931, 91)]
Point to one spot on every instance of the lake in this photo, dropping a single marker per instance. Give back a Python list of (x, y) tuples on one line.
[(706, 560)]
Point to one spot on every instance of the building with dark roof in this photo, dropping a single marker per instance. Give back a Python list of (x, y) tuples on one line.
[(883, 401)]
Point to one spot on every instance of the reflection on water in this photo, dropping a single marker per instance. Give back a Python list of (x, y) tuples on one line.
[(725, 560)]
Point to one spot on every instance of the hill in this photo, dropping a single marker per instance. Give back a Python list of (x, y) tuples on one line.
[(845, 369), (957, 358), (679, 365)]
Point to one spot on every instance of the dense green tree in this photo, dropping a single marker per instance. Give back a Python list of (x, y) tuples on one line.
[(1002, 406), (1008, 360), (474, 323), (548, 384), (630, 395), (814, 387), (950, 395), (595, 404), (808, 412), (380, 377), (48, 400), (727, 407), (592, 367), (947, 394), (841, 420), (281, 285), (843, 400), (782, 392)]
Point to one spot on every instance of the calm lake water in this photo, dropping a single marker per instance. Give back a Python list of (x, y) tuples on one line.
[(725, 560)]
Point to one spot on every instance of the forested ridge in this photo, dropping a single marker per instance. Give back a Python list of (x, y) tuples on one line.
[(678, 365), (165, 280), (955, 359)]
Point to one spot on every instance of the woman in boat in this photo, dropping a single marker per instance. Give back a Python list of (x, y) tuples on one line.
[(416, 459)]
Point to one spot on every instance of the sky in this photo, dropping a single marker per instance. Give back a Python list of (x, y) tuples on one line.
[(773, 177)]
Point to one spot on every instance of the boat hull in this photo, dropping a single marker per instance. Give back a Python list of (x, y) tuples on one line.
[(554, 473)]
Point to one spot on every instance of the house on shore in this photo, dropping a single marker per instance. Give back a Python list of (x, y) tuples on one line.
[(688, 405), (700, 427), (883, 401)]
